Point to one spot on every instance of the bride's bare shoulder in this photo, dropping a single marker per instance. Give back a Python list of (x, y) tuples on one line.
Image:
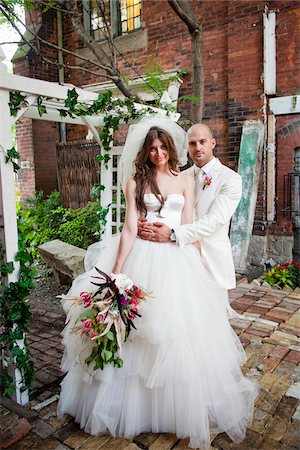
[(186, 178), (131, 185)]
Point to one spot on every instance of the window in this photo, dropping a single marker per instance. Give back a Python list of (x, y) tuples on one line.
[(120, 16), (100, 18), (130, 15)]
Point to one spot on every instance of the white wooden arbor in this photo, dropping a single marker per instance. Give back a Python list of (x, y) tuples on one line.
[(34, 88)]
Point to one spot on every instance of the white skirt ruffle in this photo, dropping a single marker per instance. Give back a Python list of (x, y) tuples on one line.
[(181, 371)]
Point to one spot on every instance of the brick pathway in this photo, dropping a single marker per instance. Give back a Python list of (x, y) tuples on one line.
[(269, 329)]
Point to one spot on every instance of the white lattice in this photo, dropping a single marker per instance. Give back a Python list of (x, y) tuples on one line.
[(113, 194)]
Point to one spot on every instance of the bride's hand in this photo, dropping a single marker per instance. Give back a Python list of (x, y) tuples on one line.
[(142, 223)]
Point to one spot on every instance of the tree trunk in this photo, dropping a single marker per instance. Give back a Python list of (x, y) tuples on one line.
[(184, 10), (197, 107)]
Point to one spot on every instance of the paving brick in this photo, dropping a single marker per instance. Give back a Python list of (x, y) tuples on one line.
[(268, 444), (251, 441), (7, 419), (164, 442), (63, 433), (269, 364), (272, 398), (95, 443), (14, 432), (260, 418), (286, 407), (76, 439), (222, 441), (294, 390), (296, 415), (294, 321), (293, 356), (116, 444), (292, 435), (42, 429), (276, 427), (144, 440), (289, 329), (279, 351)]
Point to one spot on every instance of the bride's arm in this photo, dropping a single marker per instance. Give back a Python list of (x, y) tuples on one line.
[(189, 205), (189, 195), (130, 227)]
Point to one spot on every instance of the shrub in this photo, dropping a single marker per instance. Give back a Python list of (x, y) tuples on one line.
[(41, 220), (287, 274)]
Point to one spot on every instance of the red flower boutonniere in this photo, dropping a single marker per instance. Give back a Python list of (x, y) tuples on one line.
[(207, 181)]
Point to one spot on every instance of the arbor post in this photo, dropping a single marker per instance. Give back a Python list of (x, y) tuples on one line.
[(9, 216)]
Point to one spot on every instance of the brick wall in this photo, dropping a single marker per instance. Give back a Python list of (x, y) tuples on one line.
[(233, 55)]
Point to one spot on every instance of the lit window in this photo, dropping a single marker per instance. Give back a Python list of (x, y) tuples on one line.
[(118, 16), (130, 15)]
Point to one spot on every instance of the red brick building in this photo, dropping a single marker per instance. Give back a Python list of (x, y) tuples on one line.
[(234, 53)]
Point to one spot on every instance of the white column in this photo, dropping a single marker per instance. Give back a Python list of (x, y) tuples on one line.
[(9, 206), (269, 20)]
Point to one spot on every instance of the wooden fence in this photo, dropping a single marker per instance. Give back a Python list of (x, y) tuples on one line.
[(77, 171)]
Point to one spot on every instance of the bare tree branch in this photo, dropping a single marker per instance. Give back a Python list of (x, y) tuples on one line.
[(52, 45), (98, 51)]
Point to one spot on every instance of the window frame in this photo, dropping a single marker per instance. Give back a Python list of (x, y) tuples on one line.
[(115, 19)]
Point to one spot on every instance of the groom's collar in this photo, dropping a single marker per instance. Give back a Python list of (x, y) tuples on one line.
[(207, 167)]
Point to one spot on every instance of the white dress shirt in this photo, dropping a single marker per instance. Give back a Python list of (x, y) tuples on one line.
[(204, 170)]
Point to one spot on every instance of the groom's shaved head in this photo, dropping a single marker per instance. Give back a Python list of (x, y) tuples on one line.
[(201, 144), (200, 127)]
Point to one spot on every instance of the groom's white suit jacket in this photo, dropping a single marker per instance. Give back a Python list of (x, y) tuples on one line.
[(214, 207)]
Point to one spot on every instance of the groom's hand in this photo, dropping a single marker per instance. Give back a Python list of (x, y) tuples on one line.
[(156, 232)]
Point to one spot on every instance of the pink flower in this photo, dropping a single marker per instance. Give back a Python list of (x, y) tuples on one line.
[(87, 325), (207, 181), (87, 299)]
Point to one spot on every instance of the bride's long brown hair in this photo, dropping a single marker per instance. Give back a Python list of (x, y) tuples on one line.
[(145, 170)]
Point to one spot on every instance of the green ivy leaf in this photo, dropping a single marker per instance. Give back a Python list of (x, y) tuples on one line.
[(41, 108)]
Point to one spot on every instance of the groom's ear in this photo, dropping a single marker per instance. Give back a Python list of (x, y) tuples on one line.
[(214, 142)]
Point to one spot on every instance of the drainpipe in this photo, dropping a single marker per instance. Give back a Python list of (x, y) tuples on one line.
[(296, 207), (269, 78), (61, 74)]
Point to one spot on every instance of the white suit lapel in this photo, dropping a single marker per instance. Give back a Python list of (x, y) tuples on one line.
[(206, 193)]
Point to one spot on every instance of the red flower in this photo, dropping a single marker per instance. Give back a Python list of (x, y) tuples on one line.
[(87, 299), (207, 181)]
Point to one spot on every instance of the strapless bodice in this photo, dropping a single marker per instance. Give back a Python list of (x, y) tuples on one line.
[(171, 212)]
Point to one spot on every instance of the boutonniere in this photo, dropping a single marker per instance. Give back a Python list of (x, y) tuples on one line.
[(207, 181)]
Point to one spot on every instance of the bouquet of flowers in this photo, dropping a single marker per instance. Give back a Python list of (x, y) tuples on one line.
[(108, 316)]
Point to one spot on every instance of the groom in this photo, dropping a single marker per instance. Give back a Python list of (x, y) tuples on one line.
[(218, 190)]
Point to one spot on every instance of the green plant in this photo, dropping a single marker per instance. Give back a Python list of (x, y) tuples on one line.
[(287, 274), (15, 315), (11, 155), (41, 220)]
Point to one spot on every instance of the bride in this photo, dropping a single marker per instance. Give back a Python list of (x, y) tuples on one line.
[(181, 371)]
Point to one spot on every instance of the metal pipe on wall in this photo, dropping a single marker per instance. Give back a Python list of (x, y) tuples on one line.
[(61, 74)]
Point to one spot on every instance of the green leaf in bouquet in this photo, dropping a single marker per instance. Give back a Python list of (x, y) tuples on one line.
[(92, 356), (98, 362), (110, 336), (106, 356), (118, 362), (89, 314)]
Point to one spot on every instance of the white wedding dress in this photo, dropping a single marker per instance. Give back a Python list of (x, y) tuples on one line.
[(181, 371)]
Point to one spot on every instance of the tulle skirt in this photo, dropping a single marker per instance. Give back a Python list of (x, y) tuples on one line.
[(181, 371)]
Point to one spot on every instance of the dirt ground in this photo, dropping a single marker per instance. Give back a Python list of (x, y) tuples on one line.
[(46, 290)]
